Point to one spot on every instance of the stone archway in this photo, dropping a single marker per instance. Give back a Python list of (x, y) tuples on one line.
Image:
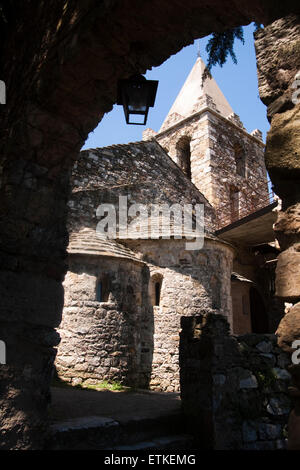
[(61, 63)]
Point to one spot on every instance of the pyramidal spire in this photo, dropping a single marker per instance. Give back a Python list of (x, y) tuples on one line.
[(191, 96)]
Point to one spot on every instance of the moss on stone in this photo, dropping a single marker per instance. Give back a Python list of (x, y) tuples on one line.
[(266, 378)]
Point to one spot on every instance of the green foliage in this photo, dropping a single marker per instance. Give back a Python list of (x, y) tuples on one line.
[(220, 45), (285, 434), (103, 385), (266, 378), (258, 26)]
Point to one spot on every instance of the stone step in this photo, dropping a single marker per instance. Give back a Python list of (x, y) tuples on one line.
[(96, 432)]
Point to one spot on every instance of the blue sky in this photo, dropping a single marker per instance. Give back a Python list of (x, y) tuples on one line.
[(238, 83)]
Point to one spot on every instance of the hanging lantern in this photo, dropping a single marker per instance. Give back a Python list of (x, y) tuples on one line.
[(136, 95)]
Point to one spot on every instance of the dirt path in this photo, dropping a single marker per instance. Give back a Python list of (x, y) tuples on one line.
[(68, 403)]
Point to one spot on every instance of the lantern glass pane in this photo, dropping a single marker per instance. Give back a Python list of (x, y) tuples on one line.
[(137, 97), (136, 119)]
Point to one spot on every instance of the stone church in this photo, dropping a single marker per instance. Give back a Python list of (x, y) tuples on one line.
[(125, 297)]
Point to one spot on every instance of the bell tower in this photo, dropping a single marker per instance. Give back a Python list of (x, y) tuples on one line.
[(207, 140)]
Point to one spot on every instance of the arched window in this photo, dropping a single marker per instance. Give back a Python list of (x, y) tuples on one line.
[(155, 289), (102, 289), (240, 160), (157, 292), (183, 155)]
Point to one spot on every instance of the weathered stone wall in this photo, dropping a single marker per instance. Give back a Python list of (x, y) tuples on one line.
[(278, 59), (102, 340), (141, 171), (213, 165), (192, 282), (234, 390), (129, 339)]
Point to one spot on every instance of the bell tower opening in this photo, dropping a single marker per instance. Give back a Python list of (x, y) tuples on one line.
[(183, 155), (155, 289)]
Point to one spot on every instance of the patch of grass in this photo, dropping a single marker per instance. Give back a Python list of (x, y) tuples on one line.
[(285, 432), (105, 385)]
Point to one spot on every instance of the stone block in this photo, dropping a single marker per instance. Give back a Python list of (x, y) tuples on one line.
[(282, 374), (268, 431), (278, 406), (219, 379), (288, 275), (264, 347), (248, 381), (289, 329), (283, 141), (249, 432)]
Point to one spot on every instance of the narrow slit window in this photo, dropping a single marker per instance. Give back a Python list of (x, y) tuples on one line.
[(102, 289), (183, 153), (99, 291), (155, 286), (157, 293)]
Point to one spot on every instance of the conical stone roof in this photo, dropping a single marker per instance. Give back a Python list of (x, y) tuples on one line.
[(195, 95)]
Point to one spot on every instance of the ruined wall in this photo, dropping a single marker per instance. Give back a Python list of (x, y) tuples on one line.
[(102, 340), (234, 390), (192, 282), (213, 164)]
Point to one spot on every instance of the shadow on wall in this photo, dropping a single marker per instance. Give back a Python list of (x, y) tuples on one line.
[(259, 318), (234, 390)]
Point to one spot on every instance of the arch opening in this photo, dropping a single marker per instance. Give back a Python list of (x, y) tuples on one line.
[(102, 289), (155, 289), (183, 155)]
